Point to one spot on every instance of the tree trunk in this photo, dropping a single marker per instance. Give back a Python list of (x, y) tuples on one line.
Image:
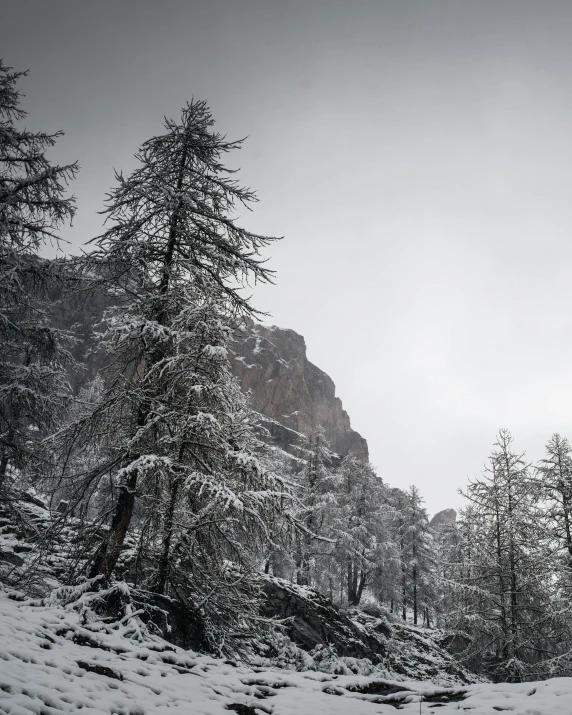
[(566, 509), (5, 460), (354, 583), (172, 241), (106, 557), (301, 565), (360, 588), (3, 468), (163, 569), (415, 596), (350, 583), (403, 578), (415, 608), (514, 616), (500, 575)]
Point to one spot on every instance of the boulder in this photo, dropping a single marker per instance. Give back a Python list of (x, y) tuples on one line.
[(312, 620)]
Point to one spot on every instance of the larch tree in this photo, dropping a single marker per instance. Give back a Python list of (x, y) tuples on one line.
[(414, 553), (422, 562), (178, 438), (554, 481), (508, 613), (400, 535), (357, 524), (34, 389), (449, 563), (315, 490)]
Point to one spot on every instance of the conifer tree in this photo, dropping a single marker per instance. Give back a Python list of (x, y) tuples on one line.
[(400, 534), (449, 563), (34, 390), (422, 562), (357, 525), (554, 475), (315, 492), (507, 612), (179, 447)]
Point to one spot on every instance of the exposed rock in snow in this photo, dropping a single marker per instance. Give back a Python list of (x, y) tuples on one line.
[(313, 621)]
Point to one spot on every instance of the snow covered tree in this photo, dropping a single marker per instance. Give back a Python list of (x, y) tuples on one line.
[(422, 561), (553, 483), (34, 390), (357, 525), (179, 448), (315, 493), (399, 532), (504, 581), (554, 475), (415, 553), (448, 554)]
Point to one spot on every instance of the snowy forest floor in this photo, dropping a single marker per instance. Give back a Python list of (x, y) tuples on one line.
[(56, 659), (51, 664)]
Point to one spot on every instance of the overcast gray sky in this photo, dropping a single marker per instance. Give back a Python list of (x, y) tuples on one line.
[(415, 154)]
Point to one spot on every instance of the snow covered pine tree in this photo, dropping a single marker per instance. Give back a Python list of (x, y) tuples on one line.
[(357, 523), (506, 608), (34, 390), (315, 488), (177, 440)]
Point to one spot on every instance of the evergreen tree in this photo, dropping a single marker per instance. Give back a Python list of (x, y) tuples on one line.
[(448, 555), (178, 440), (34, 390), (315, 486), (504, 576), (553, 481), (415, 559), (400, 537), (422, 557), (554, 475), (357, 525)]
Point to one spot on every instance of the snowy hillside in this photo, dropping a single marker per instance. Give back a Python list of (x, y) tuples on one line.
[(317, 635), (51, 663)]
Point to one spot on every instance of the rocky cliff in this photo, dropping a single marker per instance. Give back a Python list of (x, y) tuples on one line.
[(293, 394), (445, 518)]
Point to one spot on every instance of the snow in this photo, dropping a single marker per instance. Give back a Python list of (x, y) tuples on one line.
[(215, 351), (246, 365), (52, 662)]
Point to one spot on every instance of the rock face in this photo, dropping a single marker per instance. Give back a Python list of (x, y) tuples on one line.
[(293, 394), (313, 620), (447, 517)]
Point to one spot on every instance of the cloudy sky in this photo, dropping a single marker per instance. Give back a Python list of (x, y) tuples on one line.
[(415, 154)]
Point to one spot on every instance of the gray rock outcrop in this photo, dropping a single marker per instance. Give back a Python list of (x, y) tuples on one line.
[(294, 395), (313, 620), (447, 517)]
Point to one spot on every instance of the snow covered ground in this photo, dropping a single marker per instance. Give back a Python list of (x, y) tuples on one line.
[(50, 663)]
